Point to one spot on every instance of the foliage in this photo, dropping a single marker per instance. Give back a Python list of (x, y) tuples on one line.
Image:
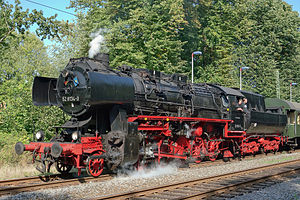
[(270, 43), (162, 35), (13, 20), (19, 118), (7, 142), (218, 40), (143, 34), (23, 56)]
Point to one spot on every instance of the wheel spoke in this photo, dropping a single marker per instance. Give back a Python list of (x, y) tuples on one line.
[(95, 166), (62, 167)]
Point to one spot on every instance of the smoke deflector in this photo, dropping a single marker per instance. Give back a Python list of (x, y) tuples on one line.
[(43, 91)]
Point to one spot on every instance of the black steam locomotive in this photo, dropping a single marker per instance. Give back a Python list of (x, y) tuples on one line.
[(129, 117)]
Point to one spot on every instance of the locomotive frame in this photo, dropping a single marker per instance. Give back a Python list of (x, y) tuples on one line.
[(132, 117)]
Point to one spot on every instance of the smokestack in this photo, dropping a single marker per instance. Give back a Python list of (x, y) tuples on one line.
[(103, 58)]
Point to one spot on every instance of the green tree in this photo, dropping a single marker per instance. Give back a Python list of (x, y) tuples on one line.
[(262, 35), (259, 34), (217, 40), (19, 118), (14, 20), (29, 58), (142, 34), (23, 56), (270, 43)]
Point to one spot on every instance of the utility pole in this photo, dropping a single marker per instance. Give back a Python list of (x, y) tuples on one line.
[(241, 69), (194, 53), (291, 85), (277, 84)]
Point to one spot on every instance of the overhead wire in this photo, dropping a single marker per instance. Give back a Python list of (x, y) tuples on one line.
[(50, 7)]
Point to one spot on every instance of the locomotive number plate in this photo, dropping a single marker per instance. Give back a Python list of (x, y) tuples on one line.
[(70, 99)]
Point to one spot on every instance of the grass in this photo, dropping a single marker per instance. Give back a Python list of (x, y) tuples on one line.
[(17, 171), (21, 170), (15, 166)]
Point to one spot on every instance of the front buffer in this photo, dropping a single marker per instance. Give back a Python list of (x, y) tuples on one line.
[(88, 154)]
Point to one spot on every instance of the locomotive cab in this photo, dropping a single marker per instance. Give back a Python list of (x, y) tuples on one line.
[(260, 120), (292, 110), (253, 117), (238, 117)]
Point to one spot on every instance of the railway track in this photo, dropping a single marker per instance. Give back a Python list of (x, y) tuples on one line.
[(249, 157), (227, 185), (15, 186)]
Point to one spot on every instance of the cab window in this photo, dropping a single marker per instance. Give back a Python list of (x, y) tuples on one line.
[(225, 101), (291, 117)]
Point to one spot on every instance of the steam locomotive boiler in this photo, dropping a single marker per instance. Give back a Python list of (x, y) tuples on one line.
[(129, 117)]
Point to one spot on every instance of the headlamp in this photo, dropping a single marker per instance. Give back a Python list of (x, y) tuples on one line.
[(75, 135), (39, 136)]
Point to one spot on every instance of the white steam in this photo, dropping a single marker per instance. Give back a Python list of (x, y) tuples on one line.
[(188, 131), (97, 44), (153, 172), (158, 170)]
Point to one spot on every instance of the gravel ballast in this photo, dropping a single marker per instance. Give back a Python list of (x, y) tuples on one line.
[(286, 190), (163, 175)]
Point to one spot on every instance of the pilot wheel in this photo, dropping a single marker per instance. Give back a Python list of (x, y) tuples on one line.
[(62, 168)]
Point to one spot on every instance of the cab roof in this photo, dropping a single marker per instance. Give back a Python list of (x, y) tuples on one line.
[(229, 91), (288, 105)]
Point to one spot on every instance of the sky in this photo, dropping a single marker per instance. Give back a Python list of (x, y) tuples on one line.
[(295, 4), (63, 4), (58, 4)]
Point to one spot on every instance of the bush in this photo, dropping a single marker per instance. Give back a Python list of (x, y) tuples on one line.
[(7, 149)]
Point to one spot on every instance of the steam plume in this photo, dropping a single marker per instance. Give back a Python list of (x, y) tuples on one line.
[(153, 171), (160, 170), (97, 44)]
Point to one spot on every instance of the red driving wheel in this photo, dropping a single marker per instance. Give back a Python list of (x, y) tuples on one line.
[(213, 157), (95, 165), (196, 152)]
